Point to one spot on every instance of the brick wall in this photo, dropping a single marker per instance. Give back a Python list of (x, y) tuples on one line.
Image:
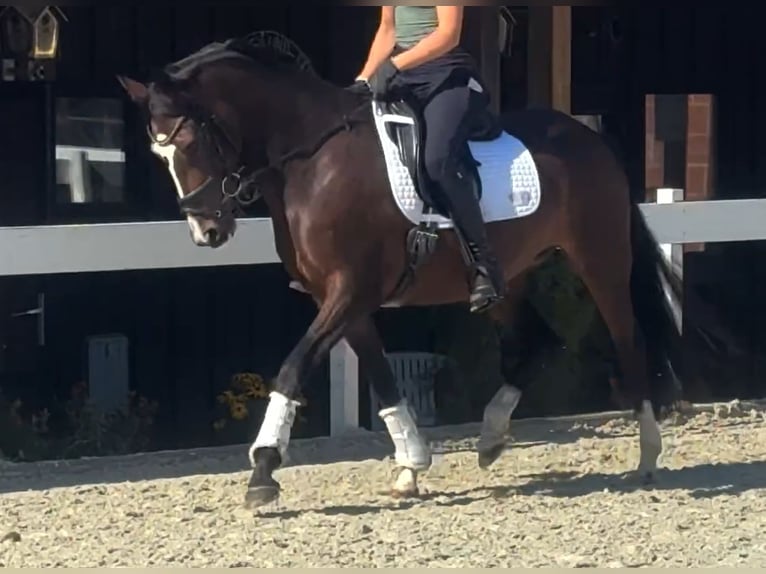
[(698, 155), (699, 147), (655, 151)]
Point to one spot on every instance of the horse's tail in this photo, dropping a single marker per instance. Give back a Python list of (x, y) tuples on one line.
[(656, 290)]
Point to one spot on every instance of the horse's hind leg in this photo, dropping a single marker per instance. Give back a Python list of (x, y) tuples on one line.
[(607, 276), (496, 421), (412, 453), (532, 339), (270, 446)]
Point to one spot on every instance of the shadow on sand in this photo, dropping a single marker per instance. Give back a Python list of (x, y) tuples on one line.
[(702, 481), (356, 447)]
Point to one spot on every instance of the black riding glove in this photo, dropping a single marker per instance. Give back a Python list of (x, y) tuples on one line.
[(360, 87), (380, 81)]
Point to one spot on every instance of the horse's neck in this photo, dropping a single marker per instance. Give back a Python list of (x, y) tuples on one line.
[(283, 240), (300, 118)]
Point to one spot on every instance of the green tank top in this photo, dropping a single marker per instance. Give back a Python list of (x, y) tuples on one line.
[(413, 23)]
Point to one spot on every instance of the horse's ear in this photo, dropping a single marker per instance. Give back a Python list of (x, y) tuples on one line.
[(137, 91)]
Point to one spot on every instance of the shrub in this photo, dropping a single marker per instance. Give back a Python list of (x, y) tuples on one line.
[(82, 429)]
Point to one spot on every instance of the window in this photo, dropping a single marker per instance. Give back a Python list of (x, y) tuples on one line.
[(89, 151)]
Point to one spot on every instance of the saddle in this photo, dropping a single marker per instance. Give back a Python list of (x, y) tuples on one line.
[(405, 127), (509, 168)]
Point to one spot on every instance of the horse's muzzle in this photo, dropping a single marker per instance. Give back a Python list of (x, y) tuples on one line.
[(197, 202)]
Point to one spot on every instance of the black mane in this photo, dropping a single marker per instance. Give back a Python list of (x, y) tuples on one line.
[(242, 49), (169, 90)]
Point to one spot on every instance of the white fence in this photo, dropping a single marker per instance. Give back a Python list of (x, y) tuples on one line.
[(164, 245), (124, 246)]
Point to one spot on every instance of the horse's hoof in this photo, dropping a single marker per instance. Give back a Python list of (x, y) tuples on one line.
[(488, 456), (406, 484), (402, 494), (260, 496), (260, 491), (646, 477)]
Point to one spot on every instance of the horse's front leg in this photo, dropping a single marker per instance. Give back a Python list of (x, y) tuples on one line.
[(412, 453), (269, 448)]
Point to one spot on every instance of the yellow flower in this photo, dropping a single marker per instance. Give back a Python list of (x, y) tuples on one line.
[(238, 411), (227, 397), (259, 392), (249, 385), (244, 380)]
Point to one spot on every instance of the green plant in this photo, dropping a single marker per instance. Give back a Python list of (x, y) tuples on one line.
[(575, 374), (577, 379), (80, 429), (562, 299), (97, 433), (472, 344), (17, 436)]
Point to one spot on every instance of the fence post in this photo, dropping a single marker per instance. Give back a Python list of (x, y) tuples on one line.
[(344, 389), (674, 253)]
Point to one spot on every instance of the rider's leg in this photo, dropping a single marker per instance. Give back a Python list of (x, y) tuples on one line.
[(445, 116)]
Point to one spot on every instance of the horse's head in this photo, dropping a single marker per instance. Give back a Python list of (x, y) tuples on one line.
[(196, 136), (220, 118)]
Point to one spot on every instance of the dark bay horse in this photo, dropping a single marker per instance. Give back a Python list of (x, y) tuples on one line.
[(235, 122)]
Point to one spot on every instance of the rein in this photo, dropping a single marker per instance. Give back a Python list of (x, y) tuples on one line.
[(244, 182), (240, 180)]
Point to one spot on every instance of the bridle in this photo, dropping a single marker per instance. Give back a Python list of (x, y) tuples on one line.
[(235, 184), (191, 203)]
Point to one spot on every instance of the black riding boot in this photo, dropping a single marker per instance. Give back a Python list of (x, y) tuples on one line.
[(487, 283)]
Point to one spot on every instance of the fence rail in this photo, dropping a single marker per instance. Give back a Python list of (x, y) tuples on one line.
[(51, 249), (165, 245)]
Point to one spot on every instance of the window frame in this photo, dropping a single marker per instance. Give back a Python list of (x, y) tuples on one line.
[(135, 206)]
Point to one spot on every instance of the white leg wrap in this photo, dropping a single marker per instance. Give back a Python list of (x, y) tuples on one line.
[(650, 439), (411, 450), (497, 417), (276, 425)]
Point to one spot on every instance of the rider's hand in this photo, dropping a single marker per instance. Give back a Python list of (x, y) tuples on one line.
[(360, 86), (380, 81)]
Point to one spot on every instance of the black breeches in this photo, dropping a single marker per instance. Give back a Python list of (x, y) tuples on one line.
[(447, 118)]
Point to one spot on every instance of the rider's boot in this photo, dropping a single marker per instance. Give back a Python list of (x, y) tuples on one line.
[(487, 283)]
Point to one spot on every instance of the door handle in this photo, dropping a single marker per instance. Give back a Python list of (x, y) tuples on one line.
[(39, 312)]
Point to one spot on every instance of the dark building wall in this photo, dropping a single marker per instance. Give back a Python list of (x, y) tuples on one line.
[(100, 41), (700, 49), (189, 330), (680, 50)]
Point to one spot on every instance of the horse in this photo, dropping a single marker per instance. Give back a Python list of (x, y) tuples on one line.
[(358, 228)]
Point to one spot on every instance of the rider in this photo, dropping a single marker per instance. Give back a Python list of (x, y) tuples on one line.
[(417, 49)]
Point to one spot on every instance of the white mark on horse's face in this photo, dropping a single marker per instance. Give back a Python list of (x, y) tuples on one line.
[(167, 153)]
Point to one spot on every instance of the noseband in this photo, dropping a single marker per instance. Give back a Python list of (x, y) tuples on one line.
[(236, 183), (233, 185)]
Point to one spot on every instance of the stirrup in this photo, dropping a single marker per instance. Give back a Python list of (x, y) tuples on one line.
[(480, 302)]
